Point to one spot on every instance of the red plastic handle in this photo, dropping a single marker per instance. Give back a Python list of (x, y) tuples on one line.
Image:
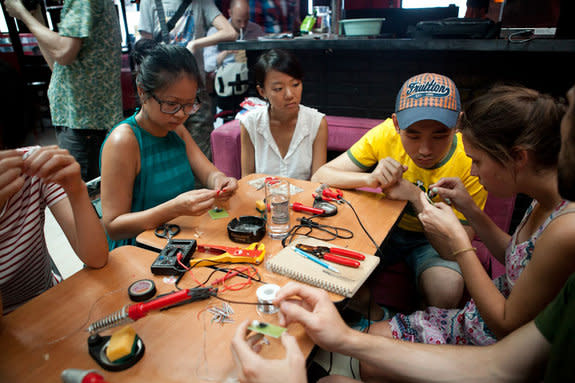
[(341, 260), (296, 206), (140, 310), (347, 253)]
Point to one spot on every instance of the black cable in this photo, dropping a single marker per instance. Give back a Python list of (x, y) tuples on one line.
[(308, 223), (377, 249), (330, 363), (521, 36), (241, 274)]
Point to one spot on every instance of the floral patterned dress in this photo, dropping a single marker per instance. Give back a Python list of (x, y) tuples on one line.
[(465, 326)]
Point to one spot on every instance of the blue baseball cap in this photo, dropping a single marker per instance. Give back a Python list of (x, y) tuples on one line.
[(428, 96)]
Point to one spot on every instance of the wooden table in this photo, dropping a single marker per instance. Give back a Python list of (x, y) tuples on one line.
[(47, 335), (377, 214)]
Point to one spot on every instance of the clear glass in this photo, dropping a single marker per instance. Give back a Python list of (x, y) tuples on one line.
[(323, 19), (277, 206)]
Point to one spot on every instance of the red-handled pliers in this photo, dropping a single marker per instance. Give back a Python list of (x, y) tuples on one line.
[(349, 257)]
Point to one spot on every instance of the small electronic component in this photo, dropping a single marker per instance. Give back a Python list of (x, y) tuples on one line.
[(266, 329)]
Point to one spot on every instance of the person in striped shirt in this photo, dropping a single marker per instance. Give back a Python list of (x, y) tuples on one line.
[(32, 179)]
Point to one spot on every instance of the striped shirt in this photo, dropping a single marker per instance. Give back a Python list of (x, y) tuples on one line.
[(25, 269)]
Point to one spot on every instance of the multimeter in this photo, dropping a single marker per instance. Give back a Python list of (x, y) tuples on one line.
[(166, 263)]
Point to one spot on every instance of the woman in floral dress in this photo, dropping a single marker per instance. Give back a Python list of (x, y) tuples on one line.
[(512, 135)]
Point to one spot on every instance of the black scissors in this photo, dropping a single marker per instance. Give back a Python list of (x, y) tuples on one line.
[(167, 231)]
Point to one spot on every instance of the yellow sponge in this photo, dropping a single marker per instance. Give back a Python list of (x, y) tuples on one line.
[(121, 343), (260, 206)]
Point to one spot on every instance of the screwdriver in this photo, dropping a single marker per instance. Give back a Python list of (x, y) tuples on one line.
[(296, 206)]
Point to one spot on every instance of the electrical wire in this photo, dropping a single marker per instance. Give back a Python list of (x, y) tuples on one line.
[(377, 248), (308, 224), (521, 36)]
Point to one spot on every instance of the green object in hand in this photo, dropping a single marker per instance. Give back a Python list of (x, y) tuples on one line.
[(267, 329)]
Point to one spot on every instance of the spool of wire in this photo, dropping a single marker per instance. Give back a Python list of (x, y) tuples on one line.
[(266, 295)]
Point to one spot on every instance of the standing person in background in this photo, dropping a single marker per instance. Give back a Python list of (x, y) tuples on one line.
[(276, 15), (190, 31), (85, 90), (284, 138), (247, 30)]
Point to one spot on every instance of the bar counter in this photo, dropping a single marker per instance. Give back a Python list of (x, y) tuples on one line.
[(373, 44), (359, 77)]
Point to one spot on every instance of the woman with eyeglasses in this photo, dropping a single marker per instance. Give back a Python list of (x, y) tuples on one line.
[(149, 162)]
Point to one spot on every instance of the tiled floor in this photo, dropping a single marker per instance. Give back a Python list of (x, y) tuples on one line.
[(64, 257)]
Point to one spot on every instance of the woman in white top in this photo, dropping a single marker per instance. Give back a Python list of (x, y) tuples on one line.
[(284, 139)]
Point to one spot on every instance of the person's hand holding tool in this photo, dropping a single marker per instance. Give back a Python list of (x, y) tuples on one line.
[(312, 308), (440, 220), (387, 173), (195, 202), (453, 192), (11, 179), (225, 186), (255, 369)]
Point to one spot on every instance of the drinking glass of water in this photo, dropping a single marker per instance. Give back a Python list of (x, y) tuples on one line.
[(277, 206)]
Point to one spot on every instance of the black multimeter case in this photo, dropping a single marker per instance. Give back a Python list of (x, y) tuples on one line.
[(166, 263)]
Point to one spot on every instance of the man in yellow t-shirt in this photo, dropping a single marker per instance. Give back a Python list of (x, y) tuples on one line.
[(404, 156)]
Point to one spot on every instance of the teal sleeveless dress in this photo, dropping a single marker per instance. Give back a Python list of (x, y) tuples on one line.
[(165, 171)]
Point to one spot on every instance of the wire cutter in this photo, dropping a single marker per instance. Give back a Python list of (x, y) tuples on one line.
[(334, 254), (254, 253)]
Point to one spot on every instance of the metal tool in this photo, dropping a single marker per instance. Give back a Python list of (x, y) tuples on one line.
[(167, 231), (334, 254), (133, 312), (254, 253)]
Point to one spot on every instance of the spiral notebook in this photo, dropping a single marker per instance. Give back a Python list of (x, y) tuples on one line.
[(292, 265)]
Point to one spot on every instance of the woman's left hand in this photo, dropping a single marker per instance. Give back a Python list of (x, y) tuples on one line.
[(227, 187), (440, 220)]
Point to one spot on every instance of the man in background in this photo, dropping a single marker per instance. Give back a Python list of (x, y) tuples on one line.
[(240, 20), (85, 91)]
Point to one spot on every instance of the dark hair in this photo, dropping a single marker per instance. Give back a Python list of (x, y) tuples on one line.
[(279, 60), (509, 117), (159, 65)]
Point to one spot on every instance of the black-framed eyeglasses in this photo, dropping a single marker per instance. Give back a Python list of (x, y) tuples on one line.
[(171, 107)]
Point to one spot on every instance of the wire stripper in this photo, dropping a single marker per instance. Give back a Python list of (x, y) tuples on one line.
[(254, 253)]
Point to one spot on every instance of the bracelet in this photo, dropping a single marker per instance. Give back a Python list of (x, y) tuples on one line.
[(455, 253)]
